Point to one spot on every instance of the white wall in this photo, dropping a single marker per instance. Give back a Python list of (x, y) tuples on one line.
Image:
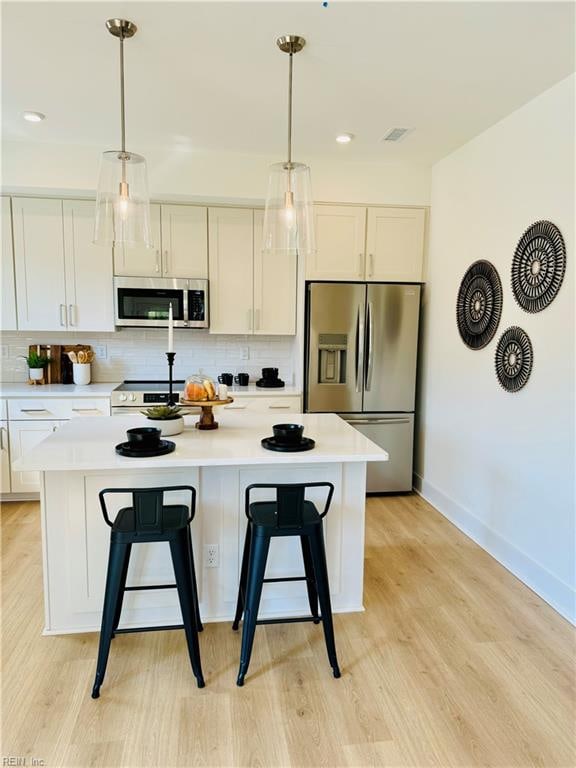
[(501, 465), (176, 173)]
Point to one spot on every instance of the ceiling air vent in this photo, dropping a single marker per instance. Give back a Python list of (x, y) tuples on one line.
[(396, 134)]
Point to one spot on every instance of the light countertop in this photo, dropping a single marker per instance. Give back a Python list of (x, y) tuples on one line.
[(56, 390), (84, 444)]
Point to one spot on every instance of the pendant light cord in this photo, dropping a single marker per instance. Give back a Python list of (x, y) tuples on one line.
[(122, 115), (290, 110)]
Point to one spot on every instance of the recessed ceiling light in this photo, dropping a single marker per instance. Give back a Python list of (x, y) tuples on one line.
[(344, 138), (33, 117)]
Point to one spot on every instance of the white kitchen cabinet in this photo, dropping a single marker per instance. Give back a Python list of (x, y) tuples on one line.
[(278, 404), (184, 241), (39, 262), (24, 435), (4, 458), (88, 269), (274, 288), (7, 286), (340, 237), (137, 261), (231, 238), (395, 244)]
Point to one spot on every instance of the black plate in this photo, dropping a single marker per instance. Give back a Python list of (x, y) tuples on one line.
[(270, 383), (271, 444), (164, 446)]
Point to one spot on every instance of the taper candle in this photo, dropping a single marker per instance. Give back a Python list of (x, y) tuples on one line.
[(170, 330)]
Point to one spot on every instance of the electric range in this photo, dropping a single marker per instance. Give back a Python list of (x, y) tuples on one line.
[(143, 393)]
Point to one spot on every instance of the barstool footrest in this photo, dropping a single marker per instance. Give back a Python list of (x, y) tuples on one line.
[(286, 578), (150, 586), (130, 630), (290, 620)]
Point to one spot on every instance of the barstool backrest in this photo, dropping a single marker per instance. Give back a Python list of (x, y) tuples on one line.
[(290, 499), (148, 506)]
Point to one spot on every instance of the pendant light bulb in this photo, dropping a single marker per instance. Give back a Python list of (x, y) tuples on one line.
[(122, 201), (288, 218)]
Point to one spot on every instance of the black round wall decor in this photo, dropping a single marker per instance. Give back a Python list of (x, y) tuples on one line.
[(513, 359), (479, 304), (538, 266)]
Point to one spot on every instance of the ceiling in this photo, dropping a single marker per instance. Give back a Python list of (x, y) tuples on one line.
[(206, 76)]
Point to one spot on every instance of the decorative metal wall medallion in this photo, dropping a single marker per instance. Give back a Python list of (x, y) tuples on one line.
[(479, 304), (513, 359), (538, 266)]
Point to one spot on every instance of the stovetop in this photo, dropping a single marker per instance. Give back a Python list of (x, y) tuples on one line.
[(138, 392)]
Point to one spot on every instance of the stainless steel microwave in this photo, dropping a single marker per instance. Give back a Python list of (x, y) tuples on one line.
[(145, 302)]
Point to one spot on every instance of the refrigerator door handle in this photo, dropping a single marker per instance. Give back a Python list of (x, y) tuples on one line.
[(370, 349), (378, 421), (359, 347)]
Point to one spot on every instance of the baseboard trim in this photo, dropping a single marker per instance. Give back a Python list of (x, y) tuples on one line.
[(556, 593)]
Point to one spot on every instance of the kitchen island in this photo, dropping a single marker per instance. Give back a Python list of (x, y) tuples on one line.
[(79, 460)]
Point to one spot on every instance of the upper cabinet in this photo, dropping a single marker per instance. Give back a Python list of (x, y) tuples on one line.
[(250, 292), (231, 237), (340, 236), (138, 261), (63, 281), (180, 238), (7, 287), (88, 268), (395, 244), (374, 244)]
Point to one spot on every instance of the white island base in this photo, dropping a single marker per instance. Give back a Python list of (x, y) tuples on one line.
[(79, 461)]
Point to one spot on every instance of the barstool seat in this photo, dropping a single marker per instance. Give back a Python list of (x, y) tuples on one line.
[(289, 515), (148, 520)]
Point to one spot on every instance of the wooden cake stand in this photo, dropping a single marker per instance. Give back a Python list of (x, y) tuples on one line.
[(206, 417)]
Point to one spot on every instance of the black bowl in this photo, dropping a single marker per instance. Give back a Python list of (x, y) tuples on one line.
[(143, 438), (288, 433)]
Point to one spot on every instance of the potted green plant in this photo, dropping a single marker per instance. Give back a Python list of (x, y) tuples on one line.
[(36, 365), (167, 418)]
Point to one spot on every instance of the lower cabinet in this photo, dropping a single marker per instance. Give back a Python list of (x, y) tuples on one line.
[(4, 458), (24, 435), (286, 404)]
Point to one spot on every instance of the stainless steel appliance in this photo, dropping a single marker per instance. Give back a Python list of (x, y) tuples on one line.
[(136, 395), (361, 356), (145, 302)]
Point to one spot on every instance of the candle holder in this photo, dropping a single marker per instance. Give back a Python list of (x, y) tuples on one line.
[(170, 356)]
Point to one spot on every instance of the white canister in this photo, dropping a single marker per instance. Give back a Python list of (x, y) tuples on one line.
[(222, 392), (81, 373)]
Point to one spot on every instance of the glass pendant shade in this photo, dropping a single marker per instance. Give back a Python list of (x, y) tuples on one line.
[(122, 202), (289, 214)]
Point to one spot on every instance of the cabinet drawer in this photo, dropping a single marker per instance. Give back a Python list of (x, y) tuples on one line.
[(38, 408), (288, 404)]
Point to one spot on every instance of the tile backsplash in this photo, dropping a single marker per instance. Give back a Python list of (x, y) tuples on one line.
[(132, 353)]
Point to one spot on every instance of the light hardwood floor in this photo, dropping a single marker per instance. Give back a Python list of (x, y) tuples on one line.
[(454, 663)]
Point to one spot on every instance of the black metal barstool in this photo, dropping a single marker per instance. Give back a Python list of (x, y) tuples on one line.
[(149, 519), (290, 515)]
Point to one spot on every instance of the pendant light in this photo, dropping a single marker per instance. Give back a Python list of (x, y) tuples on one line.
[(122, 202), (288, 218)]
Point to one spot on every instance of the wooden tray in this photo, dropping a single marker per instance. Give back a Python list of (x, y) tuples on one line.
[(206, 420)]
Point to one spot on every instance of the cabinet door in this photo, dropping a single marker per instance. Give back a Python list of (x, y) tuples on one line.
[(274, 288), (89, 287), (39, 263), (340, 235), (395, 244), (24, 435), (140, 261), (184, 241), (231, 270), (7, 288), (4, 458)]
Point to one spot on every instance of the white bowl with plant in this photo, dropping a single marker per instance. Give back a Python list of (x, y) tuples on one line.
[(167, 418), (36, 365)]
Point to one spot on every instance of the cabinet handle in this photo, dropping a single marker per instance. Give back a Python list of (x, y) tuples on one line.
[(86, 410), (360, 259), (157, 267), (72, 314), (371, 263), (234, 407), (54, 429), (34, 410), (257, 319), (166, 263), (2, 446), (278, 407), (63, 315)]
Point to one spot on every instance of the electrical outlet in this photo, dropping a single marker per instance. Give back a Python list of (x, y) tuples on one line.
[(100, 351), (211, 556), (245, 353)]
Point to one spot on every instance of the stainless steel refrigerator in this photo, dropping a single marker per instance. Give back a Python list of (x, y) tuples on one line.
[(361, 357)]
